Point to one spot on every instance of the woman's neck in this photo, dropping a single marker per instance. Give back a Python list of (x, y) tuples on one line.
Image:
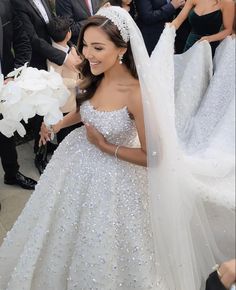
[(118, 73)]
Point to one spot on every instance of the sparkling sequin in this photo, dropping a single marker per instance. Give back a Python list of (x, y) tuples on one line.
[(87, 225)]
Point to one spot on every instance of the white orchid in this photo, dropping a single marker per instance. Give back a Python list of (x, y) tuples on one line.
[(8, 127), (11, 93), (32, 92), (17, 71)]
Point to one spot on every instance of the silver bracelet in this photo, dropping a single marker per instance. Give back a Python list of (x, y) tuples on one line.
[(116, 151), (216, 268)]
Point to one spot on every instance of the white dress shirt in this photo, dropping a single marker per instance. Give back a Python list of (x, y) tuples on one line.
[(42, 10), (90, 6)]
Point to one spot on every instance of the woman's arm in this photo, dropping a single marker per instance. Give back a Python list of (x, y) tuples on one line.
[(69, 120), (183, 14), (228, 11), (136, 156)]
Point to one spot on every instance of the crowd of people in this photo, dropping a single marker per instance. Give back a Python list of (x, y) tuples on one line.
[(96, 229)]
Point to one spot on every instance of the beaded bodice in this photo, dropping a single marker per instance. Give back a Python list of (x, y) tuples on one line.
[(116, 126)]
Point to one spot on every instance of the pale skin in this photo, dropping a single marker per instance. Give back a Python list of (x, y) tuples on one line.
[(118, 89), (74, 54), (72, 59), (125, 4), (202, 7), (227, 273)]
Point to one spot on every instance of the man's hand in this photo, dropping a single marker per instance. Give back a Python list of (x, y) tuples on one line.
[(178, 3), (73, 60)]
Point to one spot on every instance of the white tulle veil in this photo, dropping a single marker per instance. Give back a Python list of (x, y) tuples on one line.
[(184, 247)]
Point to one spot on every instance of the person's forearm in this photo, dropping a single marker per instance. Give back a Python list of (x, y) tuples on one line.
[(133, 155), (220, 35), (179, 20), (183, 15), (42, 47), (70, 119)]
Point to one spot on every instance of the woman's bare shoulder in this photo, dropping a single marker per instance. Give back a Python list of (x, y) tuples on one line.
[(134, 99)]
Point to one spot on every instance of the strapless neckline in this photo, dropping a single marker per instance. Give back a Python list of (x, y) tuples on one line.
[(125, 108)]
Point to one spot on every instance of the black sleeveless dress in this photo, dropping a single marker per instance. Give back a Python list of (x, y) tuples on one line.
[(204, 25)]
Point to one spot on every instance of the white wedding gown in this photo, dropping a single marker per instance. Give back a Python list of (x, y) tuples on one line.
[(87, 225)]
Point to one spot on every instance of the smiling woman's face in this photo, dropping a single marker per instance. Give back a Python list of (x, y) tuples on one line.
[(100, 51)]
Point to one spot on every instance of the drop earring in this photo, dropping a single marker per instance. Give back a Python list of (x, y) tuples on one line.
[(120, 59)]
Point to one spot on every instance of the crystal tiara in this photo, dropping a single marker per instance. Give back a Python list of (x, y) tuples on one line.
[(119, 17)]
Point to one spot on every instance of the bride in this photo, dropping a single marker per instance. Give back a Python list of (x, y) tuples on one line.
[(99, 219)]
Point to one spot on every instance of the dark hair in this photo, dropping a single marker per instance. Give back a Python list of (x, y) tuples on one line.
[(58, 27), (90, 82)]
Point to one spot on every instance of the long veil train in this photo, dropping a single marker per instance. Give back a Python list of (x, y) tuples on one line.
[(185, 247)]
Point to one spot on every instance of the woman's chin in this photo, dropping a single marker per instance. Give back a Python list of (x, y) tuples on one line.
[(96, 72)]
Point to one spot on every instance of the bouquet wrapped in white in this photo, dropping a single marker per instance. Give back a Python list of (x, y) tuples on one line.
[(31, 92)]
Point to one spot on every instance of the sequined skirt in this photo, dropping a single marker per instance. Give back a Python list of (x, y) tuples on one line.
[(86, 226)]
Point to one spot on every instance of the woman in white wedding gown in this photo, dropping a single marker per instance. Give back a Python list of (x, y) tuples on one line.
[(87, 225), (98, 218)]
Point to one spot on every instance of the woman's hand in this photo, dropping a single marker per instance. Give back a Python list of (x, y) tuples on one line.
[(45, 135), (57, 127), (207, 38), (227, 273), (94, 137)]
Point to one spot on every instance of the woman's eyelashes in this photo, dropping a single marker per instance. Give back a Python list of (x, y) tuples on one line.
[(98, 48)]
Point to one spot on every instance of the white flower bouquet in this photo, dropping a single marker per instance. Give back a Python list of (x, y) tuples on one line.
[(31, 92)]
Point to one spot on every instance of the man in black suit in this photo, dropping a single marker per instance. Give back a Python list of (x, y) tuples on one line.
[(152, 16), (77, 11), (35, 15), (13, 36)]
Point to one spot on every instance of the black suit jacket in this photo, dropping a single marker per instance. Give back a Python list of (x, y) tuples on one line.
[(36, 28), (151, 18), (12, 35), (78, 12), (213, 282)]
